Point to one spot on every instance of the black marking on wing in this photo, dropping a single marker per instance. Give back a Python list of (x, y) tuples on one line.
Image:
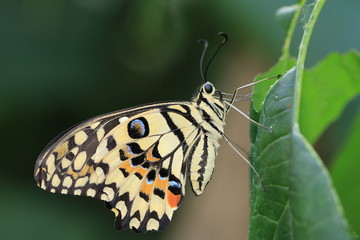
[(71, 142), (111, 143), (144, 196), (159, 192), (138, 175), (124, 172), (111, 124), (138, 160), (178, 133), (203, 162), (151, 175), (135, 148), (70, 156), (122, 155), (164, 172), (145, 165)]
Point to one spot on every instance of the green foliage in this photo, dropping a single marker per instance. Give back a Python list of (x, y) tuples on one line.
[(345, 172), (260, 90), (331, 84), (328, 88), (300, 201)]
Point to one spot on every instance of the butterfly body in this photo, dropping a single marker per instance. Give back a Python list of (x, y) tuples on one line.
[(137, 160)]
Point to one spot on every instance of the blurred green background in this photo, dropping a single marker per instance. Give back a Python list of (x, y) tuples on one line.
[(62, 62)]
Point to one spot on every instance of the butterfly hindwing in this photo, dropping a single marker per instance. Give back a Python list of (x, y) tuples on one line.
[(134, 160)]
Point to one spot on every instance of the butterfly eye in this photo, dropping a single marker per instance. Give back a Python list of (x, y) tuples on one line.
[(208, 88)]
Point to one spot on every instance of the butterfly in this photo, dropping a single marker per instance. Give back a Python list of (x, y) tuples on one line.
[(137, 160)]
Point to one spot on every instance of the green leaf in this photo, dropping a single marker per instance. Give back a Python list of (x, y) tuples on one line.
[(260, 90), (299, 201), (345, 172), (327, 89)]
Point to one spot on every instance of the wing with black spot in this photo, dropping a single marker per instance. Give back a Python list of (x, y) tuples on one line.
[(132, 159)]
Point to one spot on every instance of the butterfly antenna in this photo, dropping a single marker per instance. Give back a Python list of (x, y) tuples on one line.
[(217, 50), (245, 159), (206, 44)]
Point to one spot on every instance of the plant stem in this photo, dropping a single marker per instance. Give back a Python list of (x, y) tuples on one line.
[(318, 4), (286, 48)]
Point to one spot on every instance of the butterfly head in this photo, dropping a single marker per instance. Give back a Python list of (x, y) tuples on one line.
[(208, 89), (209, 100)]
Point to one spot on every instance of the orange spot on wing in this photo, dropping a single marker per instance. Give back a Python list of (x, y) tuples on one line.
[(149, 155), (161, 183), (126, 165), (142, 171), (147, 188), (173, 199), (62, 149), (85, 169)]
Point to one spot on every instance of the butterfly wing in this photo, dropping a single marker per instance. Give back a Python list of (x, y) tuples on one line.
[(132, 159)]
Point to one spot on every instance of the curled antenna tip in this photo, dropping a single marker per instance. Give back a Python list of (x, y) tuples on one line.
[(217, 50), (224, 35)]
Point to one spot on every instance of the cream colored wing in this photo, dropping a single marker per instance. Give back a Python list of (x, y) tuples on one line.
[(133, 160)]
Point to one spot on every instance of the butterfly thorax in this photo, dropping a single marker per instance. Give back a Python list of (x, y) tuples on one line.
[(212, 111)]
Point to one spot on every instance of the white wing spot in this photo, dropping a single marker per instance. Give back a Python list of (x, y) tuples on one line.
[(91, 192), (77, 192), (80, 160), (105, 197), (81, 181), (100, 134), (152, 224), (43, 186), (65, 163), (50, 162), (134, 223), (122, 208), (80, 137), (64, 191), (93, 178), (67, 182), (123, 119), (55, 181), (110, 192), (100, 174)]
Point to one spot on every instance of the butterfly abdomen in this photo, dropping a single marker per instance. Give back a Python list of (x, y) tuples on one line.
[(204, 150)]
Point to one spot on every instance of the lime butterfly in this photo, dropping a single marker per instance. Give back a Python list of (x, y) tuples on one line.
[(137, 160)]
